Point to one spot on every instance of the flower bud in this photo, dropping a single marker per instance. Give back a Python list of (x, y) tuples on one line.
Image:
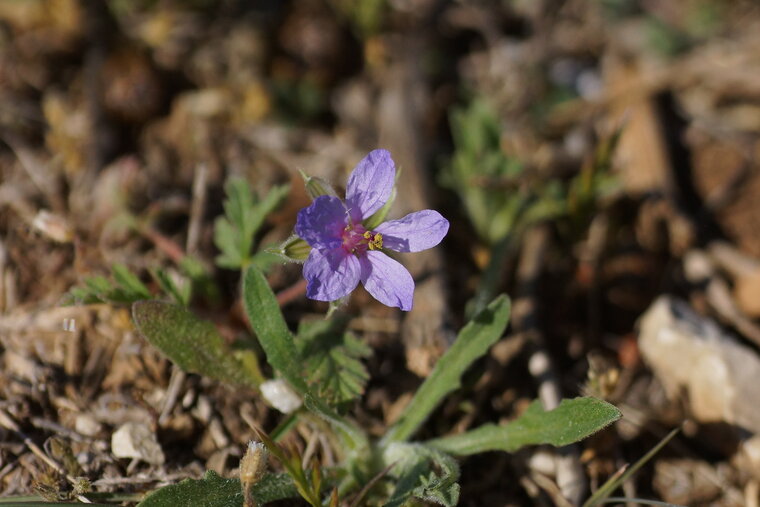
[(293, 249), (317, 186), (253, 465)]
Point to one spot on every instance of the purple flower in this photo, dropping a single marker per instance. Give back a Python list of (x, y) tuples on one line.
[(344, 252)]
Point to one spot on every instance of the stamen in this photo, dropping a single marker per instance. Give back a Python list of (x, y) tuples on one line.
[(376, 243)]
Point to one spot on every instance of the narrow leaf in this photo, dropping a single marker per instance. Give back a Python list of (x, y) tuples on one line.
[(129, 281), (179, 292), (473, 341), (192, 344), (277, 341), (572, 421), (271, 329)]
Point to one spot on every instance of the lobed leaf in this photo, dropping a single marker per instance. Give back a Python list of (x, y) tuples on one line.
[(331, 359), (571, 421), (244, 213)]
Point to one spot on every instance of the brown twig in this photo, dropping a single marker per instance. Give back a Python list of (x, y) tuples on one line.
[(292, 293), (172, 393), (197, 207), (168, 246)]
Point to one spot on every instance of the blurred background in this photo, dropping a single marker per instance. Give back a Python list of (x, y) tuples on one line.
[(597, 160)]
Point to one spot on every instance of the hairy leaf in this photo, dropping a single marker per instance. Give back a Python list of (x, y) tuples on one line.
[(282, 354), (572, 421), (192, 344), (331, 358), (473, 341), (271, 329), (215, 491)]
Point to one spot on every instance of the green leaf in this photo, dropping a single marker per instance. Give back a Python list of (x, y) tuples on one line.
[(179, 292), (473, 341), (125, 288), (215, 491), (244, 214), (331, 359), (192, 344), (572, 421), (422, 472), (271, 329), (129, 282), (481, 173), (226, 240), (277, 341)]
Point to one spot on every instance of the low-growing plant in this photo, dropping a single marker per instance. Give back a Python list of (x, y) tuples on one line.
[(317, 371)]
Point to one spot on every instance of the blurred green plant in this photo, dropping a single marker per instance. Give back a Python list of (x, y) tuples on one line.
[(365, 18), (481, 174), (244, 214), (501, 199), (234, 235), (123, 287), (298, 100)]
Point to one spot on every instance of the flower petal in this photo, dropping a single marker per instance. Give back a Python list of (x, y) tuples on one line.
[(415, 232), (370, 184), (322, 223), (388, 281), (330, 274)]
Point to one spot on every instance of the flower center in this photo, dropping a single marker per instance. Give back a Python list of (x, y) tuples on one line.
[(357, 239)]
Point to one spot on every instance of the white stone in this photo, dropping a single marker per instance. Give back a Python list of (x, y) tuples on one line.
[(86, 425), (280, 395), (688, 352), (136, 440)]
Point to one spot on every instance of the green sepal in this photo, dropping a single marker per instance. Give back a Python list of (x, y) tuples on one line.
[(316, 187)]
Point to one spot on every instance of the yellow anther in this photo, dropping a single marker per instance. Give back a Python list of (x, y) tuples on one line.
[(367, 235), (376, 243)]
